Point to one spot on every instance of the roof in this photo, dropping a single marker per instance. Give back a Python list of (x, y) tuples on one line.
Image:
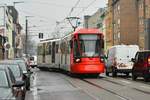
[(51, 40), (144, 51), (90, 30), (121, 46)]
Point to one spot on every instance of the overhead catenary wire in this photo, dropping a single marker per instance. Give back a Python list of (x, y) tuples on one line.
[(73, 7), (63, 21), (86, 7), (50, 4)]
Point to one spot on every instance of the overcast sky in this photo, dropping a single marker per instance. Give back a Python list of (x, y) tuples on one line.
[(46, 12)]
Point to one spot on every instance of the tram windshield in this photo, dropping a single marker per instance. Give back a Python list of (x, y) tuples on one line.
[(89, 45)]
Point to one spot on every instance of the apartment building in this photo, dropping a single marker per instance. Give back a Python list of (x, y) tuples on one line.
[(125, 22), (143, 15), (109, 28), (9, 31)]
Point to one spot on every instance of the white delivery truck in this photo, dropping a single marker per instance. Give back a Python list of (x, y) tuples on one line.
[(119, 59)]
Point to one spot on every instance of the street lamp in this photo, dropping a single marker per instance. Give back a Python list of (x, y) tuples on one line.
[(26, 40)]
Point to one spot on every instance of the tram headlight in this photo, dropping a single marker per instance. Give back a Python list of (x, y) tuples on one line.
[(77, 60), (102, 59)]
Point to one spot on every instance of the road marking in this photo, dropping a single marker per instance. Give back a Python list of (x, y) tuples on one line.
[(146, 87), (127, 82), (35, 94)]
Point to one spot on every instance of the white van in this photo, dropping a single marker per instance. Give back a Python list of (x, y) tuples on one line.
[(119, 59), (33, 61)]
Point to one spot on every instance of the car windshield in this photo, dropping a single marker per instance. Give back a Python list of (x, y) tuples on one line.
[(15, 69), (3, 79), (22, 65), (90, 45)]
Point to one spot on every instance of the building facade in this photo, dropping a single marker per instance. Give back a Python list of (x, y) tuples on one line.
[(143, 14), (125, 22), (109, 28), (9, 30), (95, 20)]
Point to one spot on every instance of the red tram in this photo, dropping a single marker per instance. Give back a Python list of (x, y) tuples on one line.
[(80, 52)]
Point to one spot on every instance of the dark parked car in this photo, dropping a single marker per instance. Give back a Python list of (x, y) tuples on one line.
[(24, 68), (10, 89), (141, 65)]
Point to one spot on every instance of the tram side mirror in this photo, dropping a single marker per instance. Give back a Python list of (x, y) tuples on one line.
[(103, 57), (71, 43), (102, 43)]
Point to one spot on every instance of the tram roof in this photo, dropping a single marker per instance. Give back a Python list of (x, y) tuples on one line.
[(84, 30), (90, 30), (48, 40)]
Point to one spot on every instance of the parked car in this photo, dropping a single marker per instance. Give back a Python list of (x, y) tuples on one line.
[(18, 74), (119, 59), (141, 67), (10, 89), (24, 68), (25, 60), (33, 61), (26, 71)]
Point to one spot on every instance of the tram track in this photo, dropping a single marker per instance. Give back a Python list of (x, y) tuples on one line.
[(110, 80), (137, 80), (145, 92), (108, 90), (99, 87), (111, 91)]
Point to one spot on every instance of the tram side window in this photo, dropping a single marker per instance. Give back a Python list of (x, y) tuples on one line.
[(57, 47), (44, 49), (63, 47), (76, 49), (40, 50), (50, 49), (47, 49), (68, 47)]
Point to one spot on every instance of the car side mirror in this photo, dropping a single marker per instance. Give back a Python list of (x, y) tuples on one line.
[(19, 84), (133, 60)]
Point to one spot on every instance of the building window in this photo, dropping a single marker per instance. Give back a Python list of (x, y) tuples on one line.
[(118, 21), (147, 11), (118, 35), (118, 9), (141, 5), (141, 21)]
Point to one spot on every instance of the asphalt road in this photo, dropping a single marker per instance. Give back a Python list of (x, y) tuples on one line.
[(46, 85)]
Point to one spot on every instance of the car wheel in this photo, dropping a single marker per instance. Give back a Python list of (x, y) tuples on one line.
[(127, 74), (107, 73), (114, 73), (134, 77), (146, 78)]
